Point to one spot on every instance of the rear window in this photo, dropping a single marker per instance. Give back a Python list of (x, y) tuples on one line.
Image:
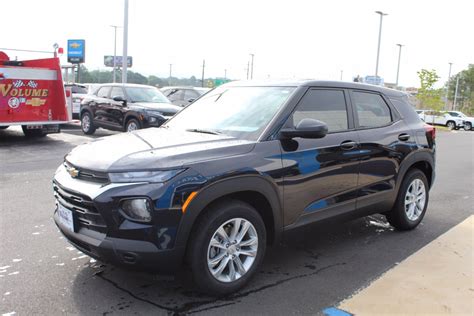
[(79, 89), (371, 109)]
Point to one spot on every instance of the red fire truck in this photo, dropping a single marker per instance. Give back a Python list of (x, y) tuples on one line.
[(32, 95)]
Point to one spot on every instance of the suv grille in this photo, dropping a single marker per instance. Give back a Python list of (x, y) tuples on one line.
[(88, 175), (85, 213)]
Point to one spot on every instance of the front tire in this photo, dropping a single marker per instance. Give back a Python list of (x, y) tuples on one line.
[(132, 125), (87, 124), (412, 201), (226, 247), (467, 126)]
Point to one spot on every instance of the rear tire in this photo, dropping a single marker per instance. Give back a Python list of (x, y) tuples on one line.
[(239, 255), (32, 132), (451, 125), (412, 201), (87, 123)]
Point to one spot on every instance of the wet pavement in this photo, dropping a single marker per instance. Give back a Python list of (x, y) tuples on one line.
[(316, 268)]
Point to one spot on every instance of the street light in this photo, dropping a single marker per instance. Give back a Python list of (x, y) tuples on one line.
[(398, 67), (380, 38), (115, 49)]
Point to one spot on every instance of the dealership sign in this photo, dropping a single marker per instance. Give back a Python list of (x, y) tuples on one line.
[(76, 51), (109, 61)]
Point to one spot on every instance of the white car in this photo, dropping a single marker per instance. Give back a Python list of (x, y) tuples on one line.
[(468, 120), (441, 118)]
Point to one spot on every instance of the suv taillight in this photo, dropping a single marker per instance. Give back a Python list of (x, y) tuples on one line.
[(430, 130)]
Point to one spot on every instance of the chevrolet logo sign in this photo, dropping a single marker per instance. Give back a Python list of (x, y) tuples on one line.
[(73, 172), (75, 45)]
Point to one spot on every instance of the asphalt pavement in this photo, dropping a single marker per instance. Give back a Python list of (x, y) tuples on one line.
[(316, 268)]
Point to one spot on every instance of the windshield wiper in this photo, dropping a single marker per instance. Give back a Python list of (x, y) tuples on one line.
[(204, 131)]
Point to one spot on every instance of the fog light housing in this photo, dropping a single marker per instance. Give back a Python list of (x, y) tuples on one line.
[(153, 120), (137, 209)]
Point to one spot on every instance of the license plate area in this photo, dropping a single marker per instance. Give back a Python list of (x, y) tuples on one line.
[(66, 217)]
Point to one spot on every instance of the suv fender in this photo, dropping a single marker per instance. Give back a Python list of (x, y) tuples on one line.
[(224, 188), (410, 161)]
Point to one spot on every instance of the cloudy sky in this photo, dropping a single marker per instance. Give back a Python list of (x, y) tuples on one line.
[(290, 39)]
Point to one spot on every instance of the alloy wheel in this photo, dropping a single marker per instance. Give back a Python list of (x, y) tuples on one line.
[(415, 199), (132, 126), (232, 250), (86, 123)]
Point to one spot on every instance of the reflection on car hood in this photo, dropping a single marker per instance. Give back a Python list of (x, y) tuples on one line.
[(155, 148), (162, 107)]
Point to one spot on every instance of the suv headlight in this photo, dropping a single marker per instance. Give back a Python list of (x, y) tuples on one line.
[(144, 176)]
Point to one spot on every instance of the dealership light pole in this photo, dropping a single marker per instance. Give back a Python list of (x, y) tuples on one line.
[(203, 67), (251, 66), (125, 42), (380, 38), (447, 86), (225, 73), (398, 67), (115, 49)]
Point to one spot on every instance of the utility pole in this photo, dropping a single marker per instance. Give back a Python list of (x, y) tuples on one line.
[(456, 93), (202, 77), (342, 71), (398, 67), (115, 50), (251, 66), (225, 73), (380, 39), (125, 42)]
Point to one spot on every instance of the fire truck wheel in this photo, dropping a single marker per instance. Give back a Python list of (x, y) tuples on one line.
[(87, 124), (32, 132)]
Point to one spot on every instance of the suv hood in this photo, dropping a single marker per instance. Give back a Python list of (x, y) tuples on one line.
[(161, 107), (155, 148)]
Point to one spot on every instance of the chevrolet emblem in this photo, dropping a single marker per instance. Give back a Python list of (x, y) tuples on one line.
[(75, 45), (73, 172)]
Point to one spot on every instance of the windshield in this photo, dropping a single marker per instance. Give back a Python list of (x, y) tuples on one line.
[(139, 94), (241, 112)]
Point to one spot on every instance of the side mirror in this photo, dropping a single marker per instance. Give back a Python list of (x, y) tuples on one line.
[(306, 128), (119, 98)]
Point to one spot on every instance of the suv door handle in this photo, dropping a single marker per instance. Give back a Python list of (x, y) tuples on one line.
[(404, 137), (348, 145)]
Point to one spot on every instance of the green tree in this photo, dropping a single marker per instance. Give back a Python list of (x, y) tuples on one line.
[(465, 97), (429, 97)]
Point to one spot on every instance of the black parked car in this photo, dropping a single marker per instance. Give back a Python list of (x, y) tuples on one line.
[(183, 96), (245, 163), (125, 108)]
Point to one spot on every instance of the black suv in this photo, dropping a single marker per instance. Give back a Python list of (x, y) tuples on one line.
[(242, 165), (125, 108)]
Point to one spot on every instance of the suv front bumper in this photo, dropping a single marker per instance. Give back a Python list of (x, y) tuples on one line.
[(100, 231)]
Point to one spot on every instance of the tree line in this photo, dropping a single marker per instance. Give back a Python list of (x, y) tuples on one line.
[(106, 76)]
